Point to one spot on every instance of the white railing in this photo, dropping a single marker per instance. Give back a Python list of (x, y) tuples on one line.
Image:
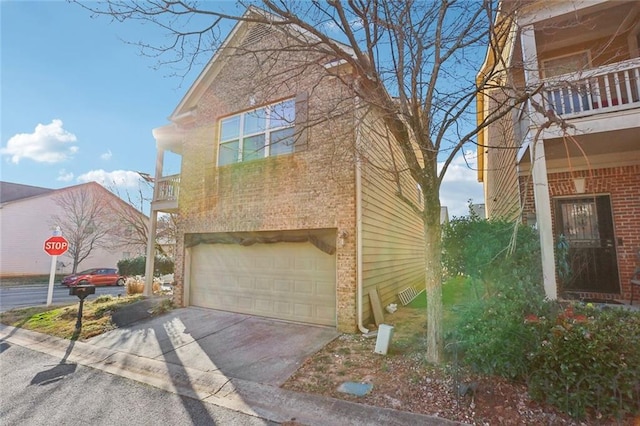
[(603, 89), (168, 188)]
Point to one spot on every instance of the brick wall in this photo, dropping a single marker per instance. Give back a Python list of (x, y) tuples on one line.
[(622, 184), (312, 188)]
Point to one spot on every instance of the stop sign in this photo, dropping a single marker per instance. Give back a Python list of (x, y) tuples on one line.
[(55, 246)]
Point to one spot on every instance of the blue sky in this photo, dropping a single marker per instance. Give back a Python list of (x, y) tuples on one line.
[(78, 103)]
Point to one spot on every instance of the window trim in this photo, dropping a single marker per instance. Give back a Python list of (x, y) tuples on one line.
[(267, 131), (567, 55), (634, 41)]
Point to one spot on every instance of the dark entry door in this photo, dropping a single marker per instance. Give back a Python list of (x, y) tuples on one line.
[(587, 224)]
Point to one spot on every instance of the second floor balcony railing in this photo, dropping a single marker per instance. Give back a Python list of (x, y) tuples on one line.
[(604, 89), (167, 188)]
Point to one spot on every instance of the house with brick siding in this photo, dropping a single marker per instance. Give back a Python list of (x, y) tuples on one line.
[(285, 209), (568, 161)]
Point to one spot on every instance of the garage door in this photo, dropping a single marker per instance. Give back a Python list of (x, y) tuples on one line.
[(291, 281)]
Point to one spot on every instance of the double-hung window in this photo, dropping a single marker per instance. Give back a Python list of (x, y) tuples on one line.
[(259, 133)]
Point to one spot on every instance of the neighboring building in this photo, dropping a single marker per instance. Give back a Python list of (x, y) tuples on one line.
[(478, 210), (584, 184), (27, 219), (276, 218)]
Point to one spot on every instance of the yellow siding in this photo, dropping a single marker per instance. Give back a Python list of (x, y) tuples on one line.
[(502, 192), (392, 234)]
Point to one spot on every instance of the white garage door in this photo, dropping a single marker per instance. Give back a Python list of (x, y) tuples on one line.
[(292, 281)]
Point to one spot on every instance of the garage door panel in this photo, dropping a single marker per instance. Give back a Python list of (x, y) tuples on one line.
[(293, 281)]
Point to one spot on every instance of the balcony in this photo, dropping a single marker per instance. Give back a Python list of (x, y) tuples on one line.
[(167, 191), (605, 89)]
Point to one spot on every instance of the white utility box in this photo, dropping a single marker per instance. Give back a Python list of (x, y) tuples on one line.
[(385, 333)]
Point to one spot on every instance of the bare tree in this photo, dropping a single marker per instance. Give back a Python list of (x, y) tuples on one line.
[(86, 222), (413, 66), (133, 226)]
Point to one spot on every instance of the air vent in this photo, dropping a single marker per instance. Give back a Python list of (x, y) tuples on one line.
[(256, 34)]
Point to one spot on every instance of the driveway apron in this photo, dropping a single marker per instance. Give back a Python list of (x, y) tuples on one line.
[(239, 346)]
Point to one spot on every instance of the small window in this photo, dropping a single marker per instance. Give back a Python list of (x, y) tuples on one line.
[(560, 65), (259, 133)]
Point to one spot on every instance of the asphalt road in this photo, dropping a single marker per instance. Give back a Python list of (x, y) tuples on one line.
[(38, 389), (36, 295)]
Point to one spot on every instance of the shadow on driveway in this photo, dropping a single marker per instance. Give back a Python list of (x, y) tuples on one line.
[(239, 346)]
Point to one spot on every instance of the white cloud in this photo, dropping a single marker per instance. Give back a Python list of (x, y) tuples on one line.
[(460, 184), (64, 176), (332, 26), (116, 178), (107, 155), (49, 143)]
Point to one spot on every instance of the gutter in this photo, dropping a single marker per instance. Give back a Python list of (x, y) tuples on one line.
[(358, 194)]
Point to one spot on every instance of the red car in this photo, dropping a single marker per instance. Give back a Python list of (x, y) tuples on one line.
[(94, 276)]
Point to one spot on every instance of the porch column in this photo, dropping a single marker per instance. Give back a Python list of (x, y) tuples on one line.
[(153, 224), (151, 253), (539, 165), (543, 217)]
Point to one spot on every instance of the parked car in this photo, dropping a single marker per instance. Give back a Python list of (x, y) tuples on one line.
[(94, 276)]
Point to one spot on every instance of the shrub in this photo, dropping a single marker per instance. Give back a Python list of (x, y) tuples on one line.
[(136, 266), (135, 285), (588, 361), (490, 332)]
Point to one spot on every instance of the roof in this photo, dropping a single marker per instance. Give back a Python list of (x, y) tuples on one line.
[(16, 191), (184, 110)]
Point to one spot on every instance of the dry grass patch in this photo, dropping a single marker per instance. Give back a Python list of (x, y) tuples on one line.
[(60, 321)]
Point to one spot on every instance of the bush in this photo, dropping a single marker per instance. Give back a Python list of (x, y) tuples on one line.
[(136, 266), (588, 361), (135, 285), (506, 269)]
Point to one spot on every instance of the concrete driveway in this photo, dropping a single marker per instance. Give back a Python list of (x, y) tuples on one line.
[(239, 346)]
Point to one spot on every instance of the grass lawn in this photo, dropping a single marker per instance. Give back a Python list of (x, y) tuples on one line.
[(456, 291), (60, 321)]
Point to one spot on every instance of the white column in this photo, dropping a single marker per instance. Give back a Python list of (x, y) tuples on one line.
[(151, 253), (539, 165), (153, 225), (543, 217)]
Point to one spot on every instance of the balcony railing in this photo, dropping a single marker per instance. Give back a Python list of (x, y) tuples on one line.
[(168, 188), (604, 89)]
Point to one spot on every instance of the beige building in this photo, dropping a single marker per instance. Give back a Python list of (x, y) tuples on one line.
[(28, 217), (283, 209), (568, 161)]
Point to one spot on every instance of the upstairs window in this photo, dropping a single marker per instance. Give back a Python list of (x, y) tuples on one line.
[(572, 63), (260, 133)]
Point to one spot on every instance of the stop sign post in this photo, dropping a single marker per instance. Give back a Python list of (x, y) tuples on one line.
[(54, 246)]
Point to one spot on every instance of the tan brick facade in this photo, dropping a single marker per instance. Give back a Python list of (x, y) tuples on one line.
[(313, 188)]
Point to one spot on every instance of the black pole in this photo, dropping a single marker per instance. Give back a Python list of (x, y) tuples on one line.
[(79, 321)]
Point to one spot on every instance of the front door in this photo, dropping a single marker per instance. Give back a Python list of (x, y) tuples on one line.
[(587, 224)]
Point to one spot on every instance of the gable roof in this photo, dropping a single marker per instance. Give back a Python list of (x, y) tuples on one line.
[(15, 191), (184, 110)]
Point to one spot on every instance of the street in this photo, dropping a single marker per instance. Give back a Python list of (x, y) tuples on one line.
[(36, 295), (38, 389)]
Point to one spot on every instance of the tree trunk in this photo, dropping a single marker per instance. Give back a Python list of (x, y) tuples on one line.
[(433, 278)]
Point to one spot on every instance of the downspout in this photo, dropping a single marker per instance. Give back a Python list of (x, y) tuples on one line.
[(359, 294)]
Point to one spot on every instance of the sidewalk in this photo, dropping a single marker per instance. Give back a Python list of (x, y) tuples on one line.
[(270, 402)]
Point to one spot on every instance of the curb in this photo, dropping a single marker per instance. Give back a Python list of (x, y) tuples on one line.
[(268, 402)]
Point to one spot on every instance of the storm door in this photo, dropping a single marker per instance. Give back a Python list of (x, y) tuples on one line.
[(587, 224)]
